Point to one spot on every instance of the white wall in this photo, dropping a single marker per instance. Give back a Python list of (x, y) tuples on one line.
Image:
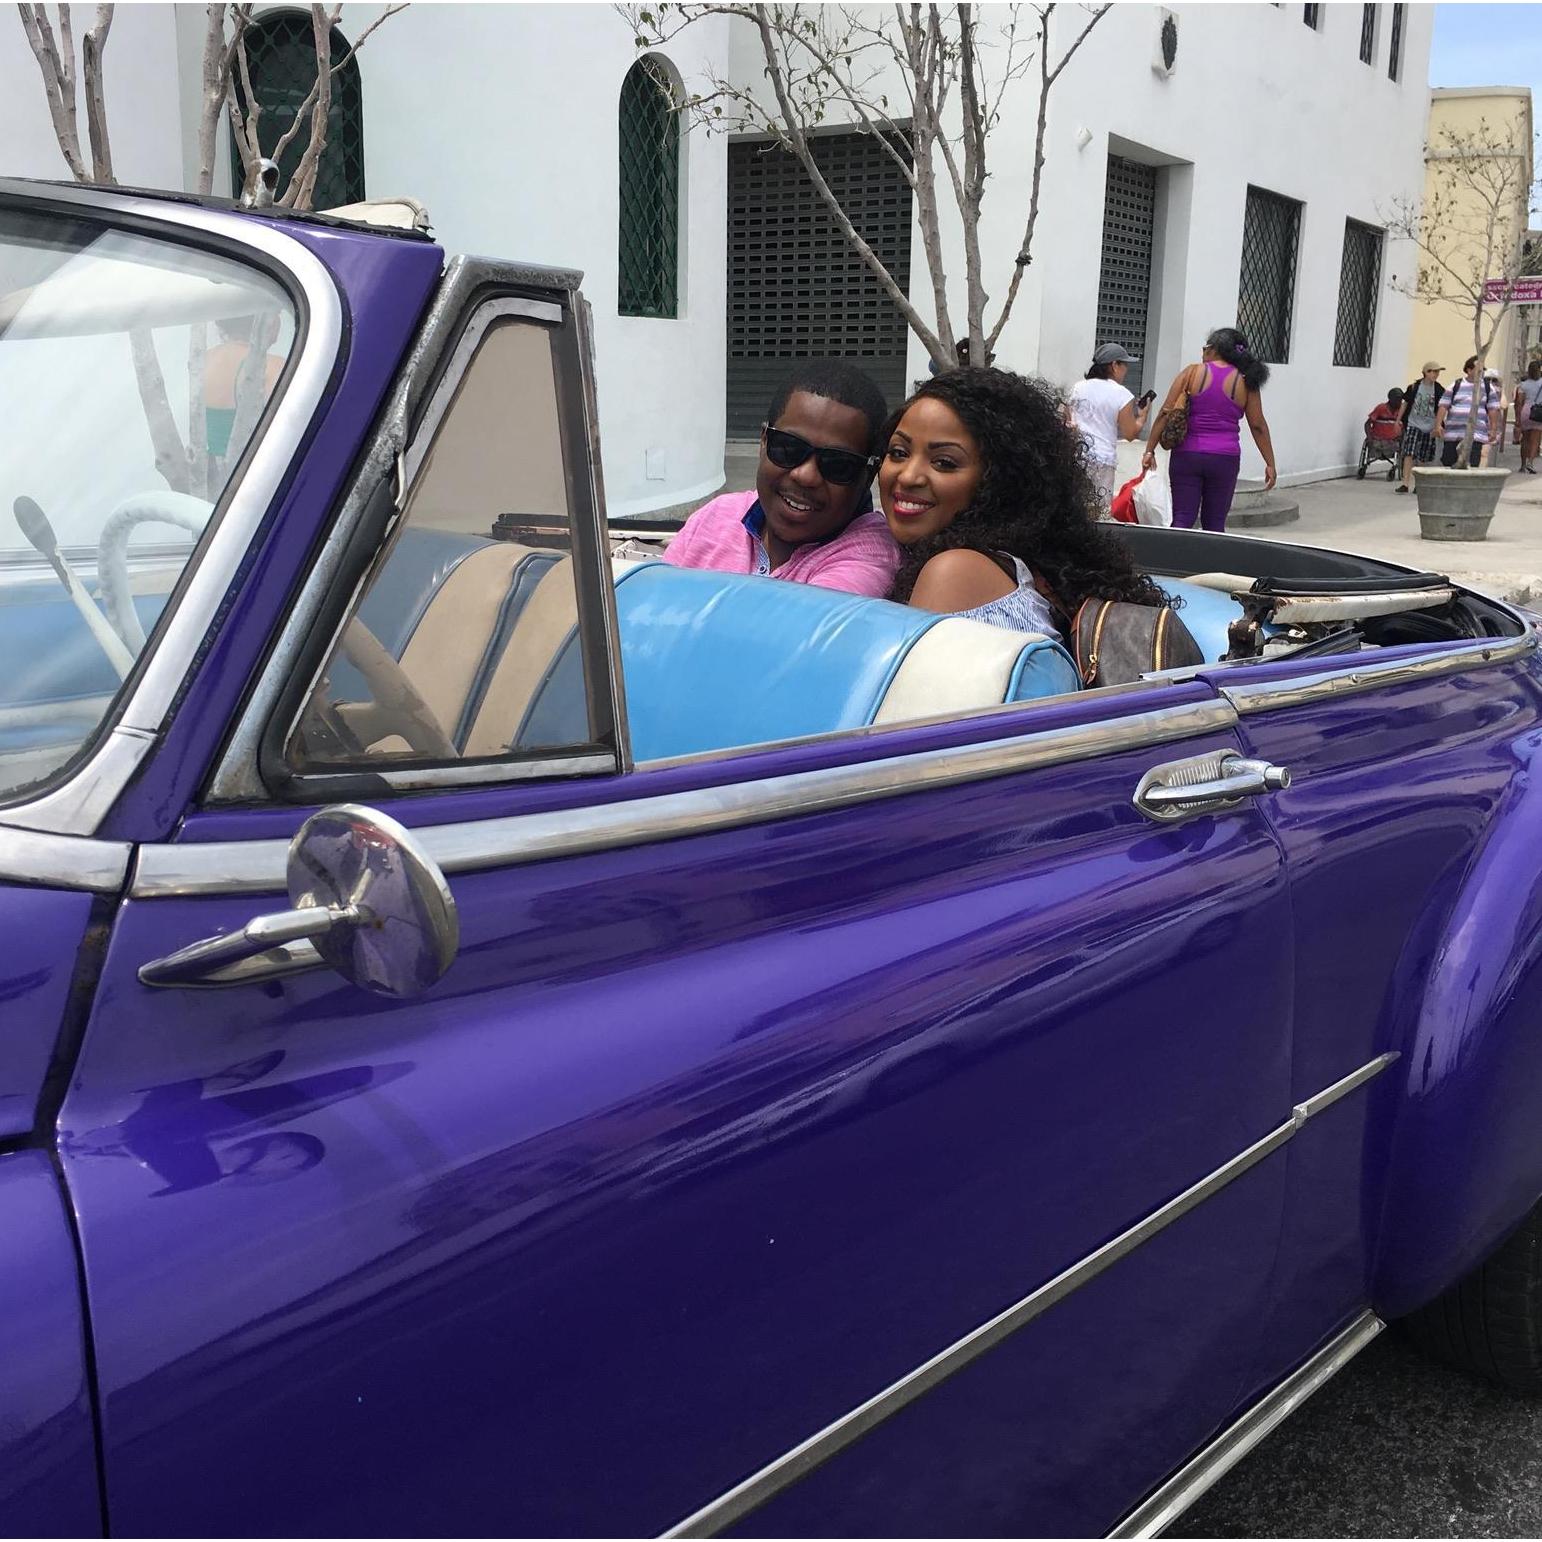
[(502, 119), (1256, 97), (139, 88)]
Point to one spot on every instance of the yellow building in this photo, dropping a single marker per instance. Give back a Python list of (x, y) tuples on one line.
[(1499, 117)]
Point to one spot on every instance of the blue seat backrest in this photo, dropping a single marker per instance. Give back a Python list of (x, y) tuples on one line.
[(717, 661), (50, 654), (1206, 613)]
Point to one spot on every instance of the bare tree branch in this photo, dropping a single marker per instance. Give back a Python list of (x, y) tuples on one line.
[(96, 106), (303, 183), (1047, 79), (288, 136), (61, 102)]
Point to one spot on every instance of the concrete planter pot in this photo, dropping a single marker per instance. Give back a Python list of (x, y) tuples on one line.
[(1457, 505)]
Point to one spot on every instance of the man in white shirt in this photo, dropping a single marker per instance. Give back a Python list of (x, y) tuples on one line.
[(1105, 411)]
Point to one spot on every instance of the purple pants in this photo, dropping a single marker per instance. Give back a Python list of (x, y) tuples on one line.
[(1202, 485)]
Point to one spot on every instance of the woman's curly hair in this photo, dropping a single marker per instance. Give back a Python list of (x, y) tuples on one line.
[(1035, 498)]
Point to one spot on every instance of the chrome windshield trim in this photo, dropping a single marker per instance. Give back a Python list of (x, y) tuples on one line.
[(818, 1449), (63, 861), (257, 867), (1231, 1445), (1275, 695), (79, 804)]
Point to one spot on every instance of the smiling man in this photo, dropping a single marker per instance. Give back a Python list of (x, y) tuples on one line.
[(810, 518)]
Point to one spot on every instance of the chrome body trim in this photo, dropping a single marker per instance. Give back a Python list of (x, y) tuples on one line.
[(78, 805), (754, 1491), (583, 317), (257, 867), (1228, 1448), (490, 773), (63, 861), (1377, 676)]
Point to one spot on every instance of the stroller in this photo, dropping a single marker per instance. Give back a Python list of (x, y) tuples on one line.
[(1378, 446)]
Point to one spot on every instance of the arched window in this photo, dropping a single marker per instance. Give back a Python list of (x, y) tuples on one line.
[(281, 59), (649, 254)]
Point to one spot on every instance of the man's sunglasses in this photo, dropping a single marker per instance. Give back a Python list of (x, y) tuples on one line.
[(842, 467)]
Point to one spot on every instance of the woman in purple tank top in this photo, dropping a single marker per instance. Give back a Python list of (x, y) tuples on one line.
[(1223, 388)]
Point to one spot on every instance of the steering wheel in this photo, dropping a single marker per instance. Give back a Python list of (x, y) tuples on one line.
[(399, 707), (162, 508)]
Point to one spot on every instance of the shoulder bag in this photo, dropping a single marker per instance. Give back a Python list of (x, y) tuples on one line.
[(1176, 429), (1115, 642)]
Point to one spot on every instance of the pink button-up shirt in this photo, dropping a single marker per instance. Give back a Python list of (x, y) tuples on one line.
[(862, 559)]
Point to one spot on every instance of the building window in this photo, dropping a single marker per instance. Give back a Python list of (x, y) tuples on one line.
[(1359, 281), (1267, 286), (1395, 47), (1311, 15), (1367, 34), (281, 60), (649, 255)]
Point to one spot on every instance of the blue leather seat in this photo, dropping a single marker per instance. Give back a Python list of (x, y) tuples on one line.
[(1207, 613), (717, 660)]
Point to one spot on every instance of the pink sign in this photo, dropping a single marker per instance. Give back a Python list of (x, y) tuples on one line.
[(1524, 291)]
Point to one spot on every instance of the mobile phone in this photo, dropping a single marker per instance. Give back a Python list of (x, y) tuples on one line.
[(1147, 399)]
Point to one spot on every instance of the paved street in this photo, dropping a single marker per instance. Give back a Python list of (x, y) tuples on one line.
[(1395, 1446)]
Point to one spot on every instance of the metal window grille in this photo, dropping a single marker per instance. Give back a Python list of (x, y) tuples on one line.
[(796, 287), (1395, 46), (1266, 288), (281, 60), (1359, 279), (1310, 15), (1124, 284), (1367, 34), (649, 242)]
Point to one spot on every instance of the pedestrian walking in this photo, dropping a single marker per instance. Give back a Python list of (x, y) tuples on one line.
[(1208, 402), (1528, 416), (1421, 401), (1459, 403), (1105, 411)]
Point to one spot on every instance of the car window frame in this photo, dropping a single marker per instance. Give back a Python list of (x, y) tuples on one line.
[(471, 301)]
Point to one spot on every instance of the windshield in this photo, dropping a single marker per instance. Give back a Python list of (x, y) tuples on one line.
[(133, 373)]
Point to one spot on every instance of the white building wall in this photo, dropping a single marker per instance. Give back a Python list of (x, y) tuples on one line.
[(502, 119), (139, 87)]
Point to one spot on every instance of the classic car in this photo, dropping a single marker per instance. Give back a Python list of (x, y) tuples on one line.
[(506, 1036)]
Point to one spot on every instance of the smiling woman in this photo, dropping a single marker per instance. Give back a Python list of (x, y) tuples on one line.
[(810, 519), (983, 485)]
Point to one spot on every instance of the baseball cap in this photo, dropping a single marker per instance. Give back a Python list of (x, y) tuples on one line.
[(1424, 367), (1112, 353)]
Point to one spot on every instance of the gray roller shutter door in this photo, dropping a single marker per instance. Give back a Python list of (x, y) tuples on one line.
[(796, 288), (1124, 286)]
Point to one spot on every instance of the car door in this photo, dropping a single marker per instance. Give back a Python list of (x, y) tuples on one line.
[(48, 1472), (863, 1135)]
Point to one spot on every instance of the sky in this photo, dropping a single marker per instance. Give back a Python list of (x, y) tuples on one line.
[(1488, 45)]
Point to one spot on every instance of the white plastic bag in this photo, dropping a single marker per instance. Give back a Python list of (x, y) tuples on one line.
[(1154, 498)]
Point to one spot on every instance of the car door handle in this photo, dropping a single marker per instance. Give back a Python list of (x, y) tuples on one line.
[(1205, 784)]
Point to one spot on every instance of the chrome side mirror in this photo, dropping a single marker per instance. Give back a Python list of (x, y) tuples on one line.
[(366, 899)]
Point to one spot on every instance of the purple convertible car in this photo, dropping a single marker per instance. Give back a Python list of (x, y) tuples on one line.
[(503, 1037)]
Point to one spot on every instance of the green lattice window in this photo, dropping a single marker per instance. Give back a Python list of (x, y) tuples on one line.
[(281, 59), (648, 260)]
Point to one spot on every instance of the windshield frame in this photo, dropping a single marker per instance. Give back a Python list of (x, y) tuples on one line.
[(76, 800)]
